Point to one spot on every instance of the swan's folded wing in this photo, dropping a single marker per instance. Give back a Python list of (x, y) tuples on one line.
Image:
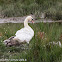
[(25, 34), (22, 31)]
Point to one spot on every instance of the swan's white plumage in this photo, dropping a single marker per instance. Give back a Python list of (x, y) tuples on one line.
[(26, 33)]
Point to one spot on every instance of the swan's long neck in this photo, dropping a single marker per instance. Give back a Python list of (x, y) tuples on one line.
[(26, 23)]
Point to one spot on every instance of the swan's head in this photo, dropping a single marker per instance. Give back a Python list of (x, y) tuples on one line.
[(29, 18)]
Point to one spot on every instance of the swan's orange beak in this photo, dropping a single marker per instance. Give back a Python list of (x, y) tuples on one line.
[(32, 21)]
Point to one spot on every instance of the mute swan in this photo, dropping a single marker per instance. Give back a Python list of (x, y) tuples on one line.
[(25, 34)]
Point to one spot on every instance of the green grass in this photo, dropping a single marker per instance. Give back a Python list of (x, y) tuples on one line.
[(17, 8), (37, 53)]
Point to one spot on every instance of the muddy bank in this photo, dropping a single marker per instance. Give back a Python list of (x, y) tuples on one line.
[(12, 20), (21, 20)]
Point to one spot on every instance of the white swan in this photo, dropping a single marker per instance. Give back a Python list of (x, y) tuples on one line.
[(25, 34)]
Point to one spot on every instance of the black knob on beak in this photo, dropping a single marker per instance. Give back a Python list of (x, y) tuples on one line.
[(32, 19)]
